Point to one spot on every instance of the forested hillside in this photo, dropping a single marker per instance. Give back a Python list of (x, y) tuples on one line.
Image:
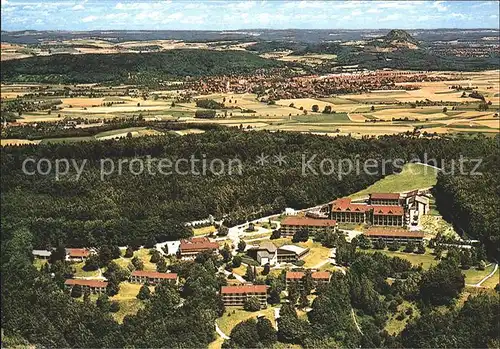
[(471, 202), (132, 67), (125, 208)]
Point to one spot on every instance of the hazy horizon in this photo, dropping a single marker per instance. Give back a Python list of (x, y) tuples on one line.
[(87, 15)]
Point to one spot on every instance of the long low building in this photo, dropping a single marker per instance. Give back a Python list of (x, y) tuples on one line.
[(237, 295), (77, 254), (94, 286), (292, 224), (151, 277), (318, 277), (391, 235)]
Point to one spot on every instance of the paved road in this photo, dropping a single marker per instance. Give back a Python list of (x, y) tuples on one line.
[(220, 333), (356, 321)]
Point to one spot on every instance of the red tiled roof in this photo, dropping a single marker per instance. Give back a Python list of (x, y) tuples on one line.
[(309, 222), (345, 205), (384, 196), (321, 275), (394, 233), (198, 244), (77, 252), (154, 274), (244, 289), (387, 210), (294, 274), (82, 282)]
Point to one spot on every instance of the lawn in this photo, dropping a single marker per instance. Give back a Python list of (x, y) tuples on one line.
[(38, 263), (413, 176), (241, 270), (142, 254), (129, 304), (427, 259), (204, 230), (394, 326), (234, 315), (473, 276), (217, 343), (492, 281), (317, 253), (79, 272), (127, 307)]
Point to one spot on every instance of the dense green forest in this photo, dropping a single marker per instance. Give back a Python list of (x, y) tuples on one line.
[(471, 202), (131, 67), (125, 208)]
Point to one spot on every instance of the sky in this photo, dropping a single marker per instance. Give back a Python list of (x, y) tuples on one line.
[(232, 15)]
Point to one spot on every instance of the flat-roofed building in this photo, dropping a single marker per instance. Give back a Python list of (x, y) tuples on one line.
[(318, 278), (41, 254), (152, 277), (344, 211), (392, 199), (189, 248), (291, 224), (391, 235), (94, 286), (237, 295), (77, 254), (388, 215), (290, 253)]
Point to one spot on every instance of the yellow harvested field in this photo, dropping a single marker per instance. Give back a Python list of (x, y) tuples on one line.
[(419, 114), (306, 103), (489, 123), (116, 109), (81, 102), (356, 117), (4, 142)]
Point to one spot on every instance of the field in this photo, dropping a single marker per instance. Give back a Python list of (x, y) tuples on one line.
[(397, 322), (413, 176), (373, 113)]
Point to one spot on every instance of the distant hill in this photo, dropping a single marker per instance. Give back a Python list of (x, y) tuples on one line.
[(133, 67), (396, 39)]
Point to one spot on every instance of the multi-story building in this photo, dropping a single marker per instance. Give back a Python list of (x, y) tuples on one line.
[(391, 199), (94, 286), (344, 211), (237, 295), (189, 248), (318, 278), (390, 209), (152, 277), (391, 235), (291, 224), (388, 215)]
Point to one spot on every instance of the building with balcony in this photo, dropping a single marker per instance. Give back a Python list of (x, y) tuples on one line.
[(237, 295)]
